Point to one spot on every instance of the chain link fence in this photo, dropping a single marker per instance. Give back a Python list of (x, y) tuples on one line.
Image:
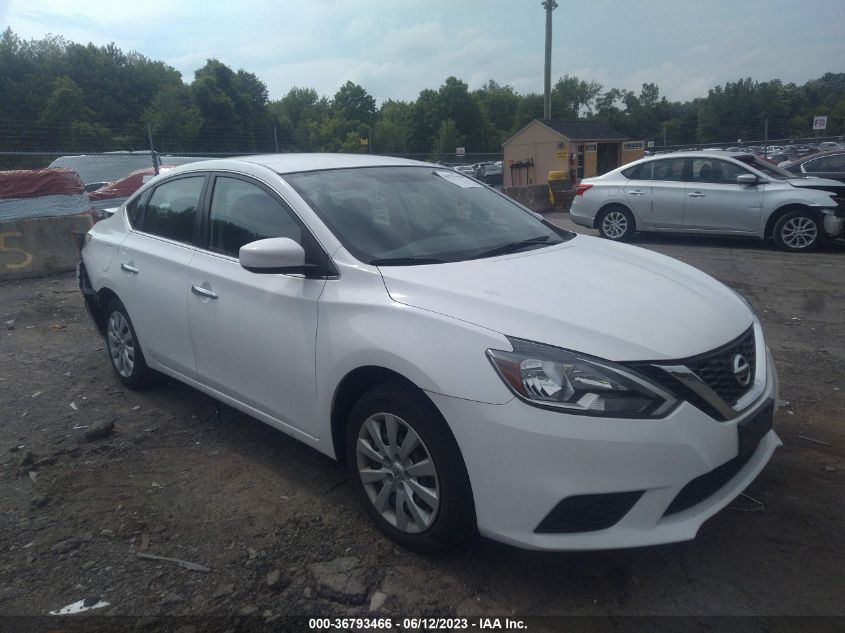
[(92, 181)]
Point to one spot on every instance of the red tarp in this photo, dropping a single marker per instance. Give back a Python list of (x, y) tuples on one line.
[(126, 186), (34, 183)]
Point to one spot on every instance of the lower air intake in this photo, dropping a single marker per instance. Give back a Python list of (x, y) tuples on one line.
[(588, 513)]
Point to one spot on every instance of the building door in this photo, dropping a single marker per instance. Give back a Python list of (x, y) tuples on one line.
[(608, 158)]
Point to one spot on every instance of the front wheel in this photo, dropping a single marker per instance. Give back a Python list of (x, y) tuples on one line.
[(616, 223), (407, 470), (798, 231)]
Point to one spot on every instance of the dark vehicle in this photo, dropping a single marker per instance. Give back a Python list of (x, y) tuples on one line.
[(491, 173), (792, 152), (824, 165)]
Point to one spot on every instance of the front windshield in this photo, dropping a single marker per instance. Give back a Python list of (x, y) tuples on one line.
[(419, 215)]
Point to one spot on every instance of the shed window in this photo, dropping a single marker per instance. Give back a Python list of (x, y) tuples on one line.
[(633, 145)]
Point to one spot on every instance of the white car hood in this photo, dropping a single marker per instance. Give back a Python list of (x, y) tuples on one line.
[(601, 298)]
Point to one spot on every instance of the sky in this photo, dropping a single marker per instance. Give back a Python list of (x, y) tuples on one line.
[(395, 48)]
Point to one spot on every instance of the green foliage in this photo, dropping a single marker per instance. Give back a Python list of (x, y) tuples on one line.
[(448, 138), (355, 104), (60, 95)]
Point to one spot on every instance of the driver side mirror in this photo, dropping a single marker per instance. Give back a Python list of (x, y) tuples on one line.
[(274, 255), (747, 179)]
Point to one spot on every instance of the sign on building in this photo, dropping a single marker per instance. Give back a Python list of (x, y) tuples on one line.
[(819, 122), (460, 151)]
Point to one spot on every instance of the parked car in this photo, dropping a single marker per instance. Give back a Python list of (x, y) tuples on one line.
[(491, 173), (698, 192), (467, 170), (823, 165), (825, 146), (790, 153), (411, 321)]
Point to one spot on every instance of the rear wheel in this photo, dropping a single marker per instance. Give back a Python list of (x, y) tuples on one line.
[(616, 223), (125, 355), (408, 471), (798, 230)]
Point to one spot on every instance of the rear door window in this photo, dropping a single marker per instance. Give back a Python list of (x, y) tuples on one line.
[(669, 169), (172, 210), (642, 171)]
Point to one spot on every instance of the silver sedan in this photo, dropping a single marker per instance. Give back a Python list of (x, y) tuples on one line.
[(710, 193)]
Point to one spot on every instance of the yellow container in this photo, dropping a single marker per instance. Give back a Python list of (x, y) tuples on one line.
[(556, 176)]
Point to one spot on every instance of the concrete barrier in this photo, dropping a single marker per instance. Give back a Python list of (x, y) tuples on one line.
[(40, 246), (535, 197)]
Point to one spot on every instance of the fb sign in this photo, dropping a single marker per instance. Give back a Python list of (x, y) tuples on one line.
[(819, 122)]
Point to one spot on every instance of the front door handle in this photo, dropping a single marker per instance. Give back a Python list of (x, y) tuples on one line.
[(208, 293), (129, 268), (696, 194), (637, 192)]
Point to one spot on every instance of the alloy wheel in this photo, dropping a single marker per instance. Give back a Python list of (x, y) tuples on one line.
[(397, 472), (799, 232), (614, 225), (121, 344)]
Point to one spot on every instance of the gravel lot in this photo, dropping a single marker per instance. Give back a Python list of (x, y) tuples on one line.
[(280, 531)]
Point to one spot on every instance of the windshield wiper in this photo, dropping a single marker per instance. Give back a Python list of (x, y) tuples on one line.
[(512, 247), (406, 261)]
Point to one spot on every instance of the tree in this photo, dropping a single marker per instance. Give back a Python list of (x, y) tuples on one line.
[(393, 128), (425, 121), (530, 107), (448, 138), (173, 118), (500, 103), (572, 96), (354, 104)]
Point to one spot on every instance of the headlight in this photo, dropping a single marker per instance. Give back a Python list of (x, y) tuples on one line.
[(576, 383)]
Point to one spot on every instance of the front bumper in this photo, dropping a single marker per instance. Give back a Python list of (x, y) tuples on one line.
[(523, 461)]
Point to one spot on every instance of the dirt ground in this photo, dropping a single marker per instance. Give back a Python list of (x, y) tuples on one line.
[(280, 531)]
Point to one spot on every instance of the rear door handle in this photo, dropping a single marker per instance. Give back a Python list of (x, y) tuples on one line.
[(208, 293), (696, 194), (129, 268), (637, 192)]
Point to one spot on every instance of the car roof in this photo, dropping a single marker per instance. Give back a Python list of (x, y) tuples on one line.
[(702, 154), (289, 163)]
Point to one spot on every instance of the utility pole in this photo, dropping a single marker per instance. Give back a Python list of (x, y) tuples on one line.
[(549, 6), (276, 138), (664, 136)]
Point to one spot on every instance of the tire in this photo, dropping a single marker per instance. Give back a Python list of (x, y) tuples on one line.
[(124, 352), (798, 231), (616, 223), (427, 523)]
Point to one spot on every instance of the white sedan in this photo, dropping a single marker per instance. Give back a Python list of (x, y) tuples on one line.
[(477, 368)]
